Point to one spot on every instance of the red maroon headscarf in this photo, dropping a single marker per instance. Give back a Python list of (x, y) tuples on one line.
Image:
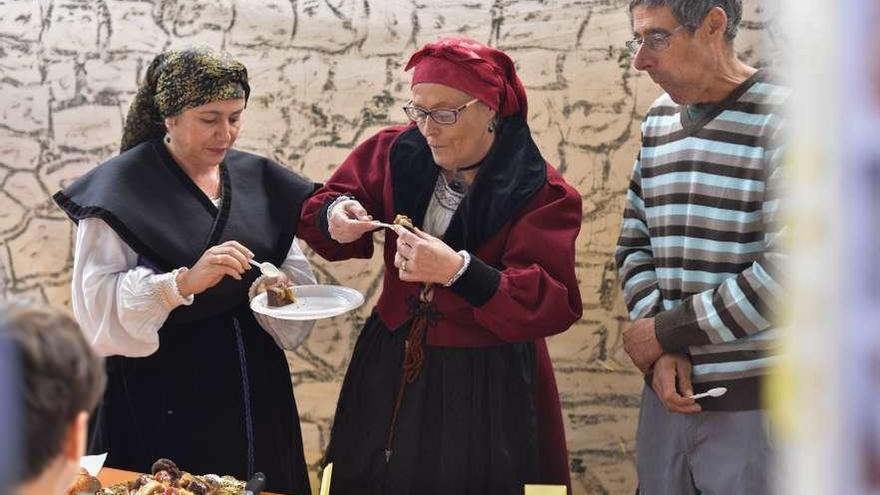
[(476, 69)]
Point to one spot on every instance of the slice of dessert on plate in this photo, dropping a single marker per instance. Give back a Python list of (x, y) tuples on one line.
[(279, 291), (280, 294)]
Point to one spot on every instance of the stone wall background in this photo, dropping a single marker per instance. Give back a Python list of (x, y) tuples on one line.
[(325, 75)]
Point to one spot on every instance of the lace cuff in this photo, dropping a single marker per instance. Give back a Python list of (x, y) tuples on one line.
[(335, 202), (167, 291), (466, 256)]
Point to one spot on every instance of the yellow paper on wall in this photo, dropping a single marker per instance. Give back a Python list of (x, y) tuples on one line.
[(545, 490)]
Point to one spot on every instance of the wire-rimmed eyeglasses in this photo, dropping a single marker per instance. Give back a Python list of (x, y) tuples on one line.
[(443, 116), (656, 41)]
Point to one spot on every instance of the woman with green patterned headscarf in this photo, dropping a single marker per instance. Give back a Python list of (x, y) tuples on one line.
[(162, 281), (180, 80)]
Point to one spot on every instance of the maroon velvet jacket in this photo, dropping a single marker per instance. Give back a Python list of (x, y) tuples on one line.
[(519, 222), (521, 284)]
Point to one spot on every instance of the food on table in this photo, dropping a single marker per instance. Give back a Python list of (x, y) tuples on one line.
[(84, 483), (167, 479)]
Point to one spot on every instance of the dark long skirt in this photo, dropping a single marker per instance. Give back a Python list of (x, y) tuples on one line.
[(467, 424), (215, 398)]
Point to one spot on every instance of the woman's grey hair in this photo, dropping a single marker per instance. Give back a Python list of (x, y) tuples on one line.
[(690, 13)]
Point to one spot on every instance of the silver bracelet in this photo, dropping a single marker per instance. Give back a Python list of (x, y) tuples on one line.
[(457, 275)]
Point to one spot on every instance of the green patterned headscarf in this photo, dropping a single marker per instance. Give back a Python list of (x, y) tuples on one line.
[(177, 80)]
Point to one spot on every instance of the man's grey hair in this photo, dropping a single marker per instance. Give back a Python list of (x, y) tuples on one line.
[(690, 13)]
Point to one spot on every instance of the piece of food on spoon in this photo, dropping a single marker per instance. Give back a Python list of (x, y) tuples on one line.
[(404, 221)]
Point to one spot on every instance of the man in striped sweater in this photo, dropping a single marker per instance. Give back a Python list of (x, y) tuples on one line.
[(698, 254)]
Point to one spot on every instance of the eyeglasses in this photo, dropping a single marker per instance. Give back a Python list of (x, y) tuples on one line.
[(443, 116), (657, 41)]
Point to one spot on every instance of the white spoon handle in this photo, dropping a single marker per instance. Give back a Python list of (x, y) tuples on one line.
[(715, 392), (266, 268), (383, 224)]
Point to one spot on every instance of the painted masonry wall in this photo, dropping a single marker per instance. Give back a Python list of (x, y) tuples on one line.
[(326, 74)]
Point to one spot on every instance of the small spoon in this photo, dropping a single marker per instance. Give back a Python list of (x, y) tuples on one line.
[(712, 392), (382, 224), (266, 268)]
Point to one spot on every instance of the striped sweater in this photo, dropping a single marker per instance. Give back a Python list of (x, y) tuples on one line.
[(699, 248)]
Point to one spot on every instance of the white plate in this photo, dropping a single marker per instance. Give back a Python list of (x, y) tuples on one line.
[(313, 302)]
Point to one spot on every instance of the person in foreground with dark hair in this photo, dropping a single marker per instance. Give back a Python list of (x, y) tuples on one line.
[(60, 381)]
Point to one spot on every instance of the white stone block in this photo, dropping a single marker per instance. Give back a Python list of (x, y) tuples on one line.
[(202, 22), (25, 188), (273, 126), (20, 20), (269, 23), (472, 19), (330, 27), (88, 127), (77, 26), (321, 161), (389, 28), (305, 78), (541, 68), (11, 213), (24, 109), (42, 249), (556, 26), (18, 151), (61, 79), (57, 290), (21, 66), (111, 75), (134, 27)]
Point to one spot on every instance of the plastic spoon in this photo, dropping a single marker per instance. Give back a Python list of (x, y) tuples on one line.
[(712, 392), (266, 268), (382, 224)]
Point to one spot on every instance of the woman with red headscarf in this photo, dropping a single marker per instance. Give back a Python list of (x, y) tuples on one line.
[(450, 388)]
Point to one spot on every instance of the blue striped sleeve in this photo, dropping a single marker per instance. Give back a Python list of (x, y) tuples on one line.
[(635, 257)]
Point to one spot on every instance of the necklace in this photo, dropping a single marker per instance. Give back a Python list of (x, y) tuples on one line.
[(458, 184)]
